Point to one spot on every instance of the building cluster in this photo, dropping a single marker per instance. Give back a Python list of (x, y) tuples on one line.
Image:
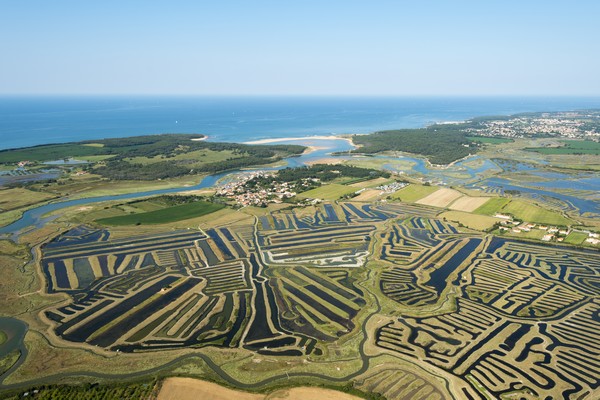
[(392, 187), (567, 125), (551, 233), (508, 224), (246, 194)]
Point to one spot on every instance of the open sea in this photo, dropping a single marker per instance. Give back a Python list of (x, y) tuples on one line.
[(28, 121)]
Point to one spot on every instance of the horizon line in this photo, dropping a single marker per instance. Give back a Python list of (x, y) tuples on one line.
[(298, 95)]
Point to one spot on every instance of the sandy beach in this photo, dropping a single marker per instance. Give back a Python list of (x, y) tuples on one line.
[(298, 139), (326, 160)]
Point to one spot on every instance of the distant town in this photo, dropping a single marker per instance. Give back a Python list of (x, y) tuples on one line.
[(571, 125)]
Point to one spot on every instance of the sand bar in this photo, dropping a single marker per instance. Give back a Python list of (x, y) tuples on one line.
[(298, 139)]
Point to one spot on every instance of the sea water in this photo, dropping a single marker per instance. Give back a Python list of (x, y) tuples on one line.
[(29, 121)]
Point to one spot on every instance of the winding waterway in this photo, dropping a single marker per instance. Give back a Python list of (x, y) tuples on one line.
[(35, 216)]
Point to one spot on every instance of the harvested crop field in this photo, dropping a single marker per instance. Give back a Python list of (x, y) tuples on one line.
[(368, 195), (479, 222), (469, 204), (440, 198), (192, 389)]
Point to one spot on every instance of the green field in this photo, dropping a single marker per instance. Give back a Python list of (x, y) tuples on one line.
[(492, 206), (3, 337), (199, 157), (332, 191), (413, 192), (570, 147), (165, 215), (576, 238), (526, 211), (489, 140)]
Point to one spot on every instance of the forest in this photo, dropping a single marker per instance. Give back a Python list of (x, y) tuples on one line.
[(440, 144)]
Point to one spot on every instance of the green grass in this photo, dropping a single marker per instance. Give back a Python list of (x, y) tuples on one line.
[(413, 192), (97, 158), (332, 191), (492, 206), (529, 212), (199, 157), (489, 140), (3, 337), (49, 152), (576, 238), (570, 147), (165, 215)]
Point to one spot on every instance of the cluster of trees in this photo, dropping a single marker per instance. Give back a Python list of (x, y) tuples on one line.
[(123, 170), (168, 146), (441, 144), (328, 172), (125, 391), (324, 172)]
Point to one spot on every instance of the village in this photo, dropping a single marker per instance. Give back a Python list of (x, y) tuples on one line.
[(550, 233), (568, 125), (246, 192)]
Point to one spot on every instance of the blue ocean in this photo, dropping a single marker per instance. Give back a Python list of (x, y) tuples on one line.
[(28, 121)]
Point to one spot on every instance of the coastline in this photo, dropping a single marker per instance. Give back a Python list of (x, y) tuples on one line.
[(296, 139)]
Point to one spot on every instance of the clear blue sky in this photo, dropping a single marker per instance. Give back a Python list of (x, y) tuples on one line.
[(378, 47)]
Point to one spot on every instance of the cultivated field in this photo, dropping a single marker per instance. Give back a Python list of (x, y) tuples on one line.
[(195, 389), (413, 192), (473, 221), (526, 211), (368, 195), (492, 206), (164, 215), (468, 204), (332, 191), (440, 198)]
